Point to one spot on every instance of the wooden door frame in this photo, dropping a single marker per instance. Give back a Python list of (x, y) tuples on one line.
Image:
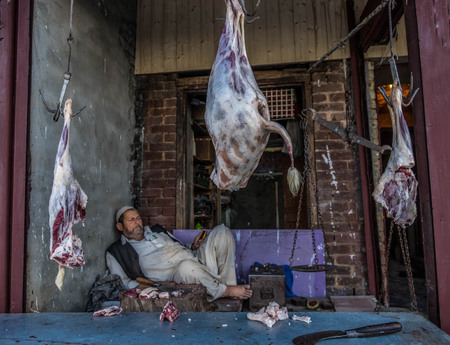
[(14, 99), (288, 77)]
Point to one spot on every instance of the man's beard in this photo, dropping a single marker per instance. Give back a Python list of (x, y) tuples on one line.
[(136, 231)]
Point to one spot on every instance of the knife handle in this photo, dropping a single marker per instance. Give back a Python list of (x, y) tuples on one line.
[(374, 330)]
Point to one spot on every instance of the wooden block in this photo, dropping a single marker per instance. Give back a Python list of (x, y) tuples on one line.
[(192, 301)]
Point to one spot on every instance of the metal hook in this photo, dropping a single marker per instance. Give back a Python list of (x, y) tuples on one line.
[(247, 14), (57, 112)]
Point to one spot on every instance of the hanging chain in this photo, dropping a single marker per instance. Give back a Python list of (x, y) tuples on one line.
[(304, 125), (308, 165), (407, 261), (387, 257)]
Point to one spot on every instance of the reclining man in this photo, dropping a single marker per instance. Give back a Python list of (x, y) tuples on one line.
[(155, 254)]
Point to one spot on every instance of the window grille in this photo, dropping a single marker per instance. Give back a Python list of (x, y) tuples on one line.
[(281, 103)]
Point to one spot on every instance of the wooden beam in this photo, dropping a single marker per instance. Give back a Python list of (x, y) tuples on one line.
[(378, 30), (357, 72)]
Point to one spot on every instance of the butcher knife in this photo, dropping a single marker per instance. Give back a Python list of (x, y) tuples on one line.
[(363, 332), (159, 286)]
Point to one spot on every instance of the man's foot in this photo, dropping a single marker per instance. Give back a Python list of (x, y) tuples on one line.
[(238, 291)]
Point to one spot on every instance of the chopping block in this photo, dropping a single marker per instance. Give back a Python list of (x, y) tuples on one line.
[(268, 284), (193, 299)]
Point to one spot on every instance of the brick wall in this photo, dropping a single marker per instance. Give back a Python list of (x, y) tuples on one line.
[(336, 169), (338, 184), (156, 190)]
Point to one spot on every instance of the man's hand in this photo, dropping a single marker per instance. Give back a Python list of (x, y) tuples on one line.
[(198, 240)]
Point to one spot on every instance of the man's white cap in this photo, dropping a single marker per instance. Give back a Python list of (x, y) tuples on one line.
[(122, 211)]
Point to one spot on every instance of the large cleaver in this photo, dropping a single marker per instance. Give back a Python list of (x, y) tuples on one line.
[(161, 287), (363, 332)]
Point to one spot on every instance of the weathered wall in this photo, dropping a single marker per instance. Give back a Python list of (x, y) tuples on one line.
[(338, 183), (336, 170), (101, 141)]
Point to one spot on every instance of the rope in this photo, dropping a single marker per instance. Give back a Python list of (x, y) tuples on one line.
[(353, 32)]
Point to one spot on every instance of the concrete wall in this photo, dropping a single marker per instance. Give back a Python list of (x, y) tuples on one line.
[(101, 142)]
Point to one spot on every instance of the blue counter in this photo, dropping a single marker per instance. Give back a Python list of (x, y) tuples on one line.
[(206, 328)]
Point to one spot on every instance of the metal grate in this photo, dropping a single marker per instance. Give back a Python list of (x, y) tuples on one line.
[(281, 103)]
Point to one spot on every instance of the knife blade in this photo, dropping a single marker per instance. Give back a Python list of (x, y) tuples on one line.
[(161, 287), (362, 332)]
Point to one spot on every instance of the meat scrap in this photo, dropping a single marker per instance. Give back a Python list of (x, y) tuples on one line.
[(110, 311), (397, 189), (270, 314), (163, 294), (237, 114), (148, 293), (133, 293), (67, 206), (306, 319), (170, 312)]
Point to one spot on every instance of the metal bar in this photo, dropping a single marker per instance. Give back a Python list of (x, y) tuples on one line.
[(355, 29), (365, 188)]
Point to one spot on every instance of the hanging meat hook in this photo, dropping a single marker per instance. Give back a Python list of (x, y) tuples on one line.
[(248, 14), (394, 72), (59, 111), (345, 133)]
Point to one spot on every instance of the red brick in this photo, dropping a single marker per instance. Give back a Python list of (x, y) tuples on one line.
[(168, 211), (151, 192), (159, 146), (164, 202), (170, 137), (170, 119), (163, 129), (319, 98), (153, 137), (170, 155), (170, 102), (327, 87), (170, 174), (167, 221), (161, 183), (163, 164), (154, 155)]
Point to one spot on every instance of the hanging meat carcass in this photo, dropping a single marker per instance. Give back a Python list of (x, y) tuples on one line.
[(67, 206), (396, 191), (237, 114)]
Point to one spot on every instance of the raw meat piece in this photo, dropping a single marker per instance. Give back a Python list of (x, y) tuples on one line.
[(163, 294), (110, 311), (397, 189), (150, 292), (269, 315), (306, 319), (177, 293), (67, 206), (237, 114), (132, 292), (169, 312)]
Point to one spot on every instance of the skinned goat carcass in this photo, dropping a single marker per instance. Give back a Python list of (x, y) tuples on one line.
[(396, 191), (67, 206), (237, 114)]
